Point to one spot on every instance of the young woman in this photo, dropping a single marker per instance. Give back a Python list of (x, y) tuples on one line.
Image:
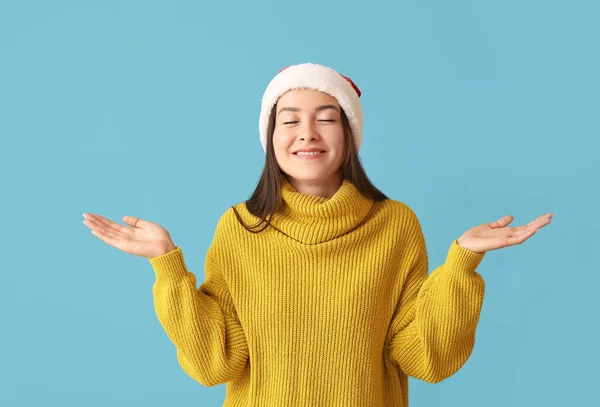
[(316, 289)]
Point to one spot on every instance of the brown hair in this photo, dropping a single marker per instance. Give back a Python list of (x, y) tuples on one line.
[(266, 198)]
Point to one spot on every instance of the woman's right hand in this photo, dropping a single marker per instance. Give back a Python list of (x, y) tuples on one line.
[(145, 239)]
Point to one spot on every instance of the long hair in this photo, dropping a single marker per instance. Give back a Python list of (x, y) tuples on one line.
[(266, 198)]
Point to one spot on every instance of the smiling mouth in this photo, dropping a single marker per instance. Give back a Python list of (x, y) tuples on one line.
[(310, 154)]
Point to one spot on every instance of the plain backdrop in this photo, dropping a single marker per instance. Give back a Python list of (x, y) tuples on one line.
[(473, 110)]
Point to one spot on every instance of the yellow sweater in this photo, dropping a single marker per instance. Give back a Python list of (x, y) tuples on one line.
[(332, 306)]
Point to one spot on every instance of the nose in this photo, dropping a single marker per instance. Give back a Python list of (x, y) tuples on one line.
[(308, 132)]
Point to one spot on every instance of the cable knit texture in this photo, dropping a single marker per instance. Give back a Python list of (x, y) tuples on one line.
[(331, 306)]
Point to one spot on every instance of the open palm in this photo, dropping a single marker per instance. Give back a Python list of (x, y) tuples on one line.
[(496, 235), (143, 238)]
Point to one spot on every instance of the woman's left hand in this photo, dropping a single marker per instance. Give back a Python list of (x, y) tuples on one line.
[(495, 235)]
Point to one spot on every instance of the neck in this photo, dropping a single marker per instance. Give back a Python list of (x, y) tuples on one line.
[(323, 188)]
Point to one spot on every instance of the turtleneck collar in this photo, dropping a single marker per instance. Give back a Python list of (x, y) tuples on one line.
[(313, 219)]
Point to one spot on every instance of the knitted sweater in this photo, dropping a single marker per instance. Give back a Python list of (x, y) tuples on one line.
[(330, 306)]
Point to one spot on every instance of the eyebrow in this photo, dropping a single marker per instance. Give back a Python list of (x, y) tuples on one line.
[(317, 109)]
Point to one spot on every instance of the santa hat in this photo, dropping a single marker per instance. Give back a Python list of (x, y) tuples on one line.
[(316, 77)]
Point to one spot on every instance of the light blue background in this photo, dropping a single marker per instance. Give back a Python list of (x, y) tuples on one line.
[(473, 110)]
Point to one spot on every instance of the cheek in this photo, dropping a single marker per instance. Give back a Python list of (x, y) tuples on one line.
[(336, 139), (278, 142), (281, 140), (281, 146)]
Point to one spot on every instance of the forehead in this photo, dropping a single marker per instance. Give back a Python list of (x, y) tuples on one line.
[(306, 97)]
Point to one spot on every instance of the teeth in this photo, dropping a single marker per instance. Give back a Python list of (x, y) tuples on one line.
[(309, 153)]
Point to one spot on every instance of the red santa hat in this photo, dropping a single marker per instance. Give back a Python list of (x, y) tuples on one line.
[(316, 77)]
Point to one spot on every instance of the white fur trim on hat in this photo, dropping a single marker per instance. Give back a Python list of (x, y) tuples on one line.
[(316, 77)]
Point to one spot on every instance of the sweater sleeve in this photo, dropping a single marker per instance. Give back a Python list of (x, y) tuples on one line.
[(201, 322), (434, 326)]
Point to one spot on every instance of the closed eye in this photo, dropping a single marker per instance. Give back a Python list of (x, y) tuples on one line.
[(317, 120)]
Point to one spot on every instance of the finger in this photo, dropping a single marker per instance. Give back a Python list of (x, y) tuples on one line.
[(502, 222), (103, 228), (97, 225), (546, 218), (106, 232), (536, 227), (537, 223), (108, 224), (132, 221)]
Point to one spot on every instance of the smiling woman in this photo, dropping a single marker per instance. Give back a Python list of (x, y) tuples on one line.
[(329, 304)]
